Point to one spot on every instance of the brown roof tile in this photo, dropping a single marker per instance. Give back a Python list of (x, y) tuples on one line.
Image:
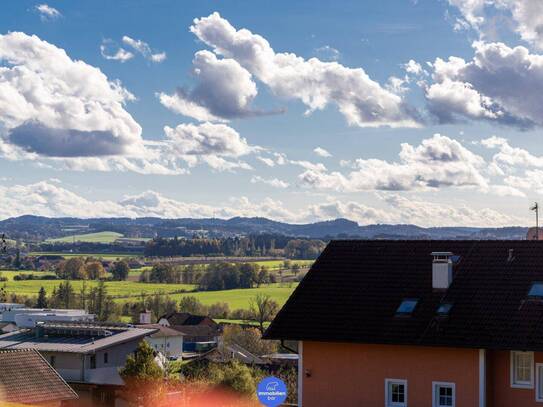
[(26, 377)]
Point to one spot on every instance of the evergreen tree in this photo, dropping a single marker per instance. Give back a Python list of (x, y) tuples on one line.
[(17, 260), (83, 296), (142, 375), (3, 294), (42, 299), (63, 296)]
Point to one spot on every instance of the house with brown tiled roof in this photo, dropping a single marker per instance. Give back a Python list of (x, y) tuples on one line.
[(196, 329), (86, 355), (185, 318), (27, 378), (419, 323)]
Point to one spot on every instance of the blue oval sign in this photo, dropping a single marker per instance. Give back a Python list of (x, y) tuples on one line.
[(272, 392)]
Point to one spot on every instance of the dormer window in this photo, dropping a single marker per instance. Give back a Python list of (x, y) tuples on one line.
[(536, 291), (407, 306)]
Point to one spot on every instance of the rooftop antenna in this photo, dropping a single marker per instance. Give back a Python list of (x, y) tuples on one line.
[(535, 208)]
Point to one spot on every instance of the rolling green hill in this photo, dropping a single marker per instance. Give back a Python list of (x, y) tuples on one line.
[(99, 237)]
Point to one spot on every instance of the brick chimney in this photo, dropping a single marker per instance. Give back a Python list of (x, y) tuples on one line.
[(145, 317)]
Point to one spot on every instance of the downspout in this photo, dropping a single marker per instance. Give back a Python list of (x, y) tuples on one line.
[(300, 367), (300, 372), (83, 368), (482, 378)]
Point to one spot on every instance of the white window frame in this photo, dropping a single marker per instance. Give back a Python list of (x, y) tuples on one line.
[(435, 393), (516, 384), (388, 402), (538, 390)]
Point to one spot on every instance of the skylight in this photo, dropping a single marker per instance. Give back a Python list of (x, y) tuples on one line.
[(444, 308), (536, 291), (407, 306)]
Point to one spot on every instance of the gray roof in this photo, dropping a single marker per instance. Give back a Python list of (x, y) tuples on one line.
[(162, 331), (27, 339)]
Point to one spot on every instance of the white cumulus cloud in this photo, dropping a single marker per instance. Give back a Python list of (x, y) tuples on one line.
[(526, 17), (224, 91), (437, 162), (361, 100), (53, 105), (499, 84)]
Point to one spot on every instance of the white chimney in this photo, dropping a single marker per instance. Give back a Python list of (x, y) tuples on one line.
[(442, 270), (145, 317)]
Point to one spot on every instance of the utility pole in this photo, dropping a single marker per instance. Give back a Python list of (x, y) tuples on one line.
[(535, 208)]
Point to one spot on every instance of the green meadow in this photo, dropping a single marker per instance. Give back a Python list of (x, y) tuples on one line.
[(114, 288), (240, 298), (99, 237), (130, 290)]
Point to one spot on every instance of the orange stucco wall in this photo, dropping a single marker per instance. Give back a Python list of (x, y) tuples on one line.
[(354, 374), (500, 392)]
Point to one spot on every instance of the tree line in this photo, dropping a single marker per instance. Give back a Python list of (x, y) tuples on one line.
[(79, 268), (253, 245), (211, 277)]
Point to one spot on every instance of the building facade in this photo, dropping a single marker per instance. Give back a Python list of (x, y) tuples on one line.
[(419, 323), (87, 356)]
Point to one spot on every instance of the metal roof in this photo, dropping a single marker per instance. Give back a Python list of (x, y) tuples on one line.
[(27, 339)]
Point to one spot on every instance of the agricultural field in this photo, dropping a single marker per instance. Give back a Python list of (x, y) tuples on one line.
[(240, 298), (12, 273), (130, 290), (114, 288), (99, 237)]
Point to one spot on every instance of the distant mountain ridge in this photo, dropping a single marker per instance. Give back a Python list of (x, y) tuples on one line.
[(39, 228)]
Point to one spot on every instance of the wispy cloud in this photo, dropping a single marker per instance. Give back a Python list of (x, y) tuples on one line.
[(144, 49), (47, 13)]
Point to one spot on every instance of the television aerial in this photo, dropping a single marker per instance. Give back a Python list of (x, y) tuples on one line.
[(535, 208)]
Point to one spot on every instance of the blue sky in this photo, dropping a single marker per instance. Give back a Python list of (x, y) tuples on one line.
[(423, 111)]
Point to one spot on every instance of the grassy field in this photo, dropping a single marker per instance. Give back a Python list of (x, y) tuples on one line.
[(240, 298), (114, 288), (99, 237), (130, 290), (12, 273)]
